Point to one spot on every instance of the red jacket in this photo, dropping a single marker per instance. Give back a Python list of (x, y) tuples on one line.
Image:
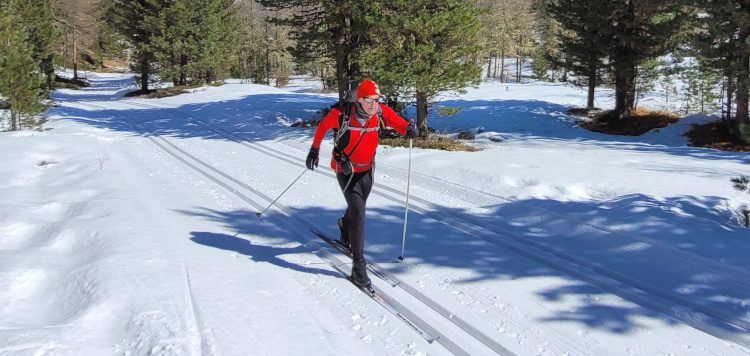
[(364, 155)]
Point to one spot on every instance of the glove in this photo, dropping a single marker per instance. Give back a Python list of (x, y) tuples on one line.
[(312, 158), (412, 131)]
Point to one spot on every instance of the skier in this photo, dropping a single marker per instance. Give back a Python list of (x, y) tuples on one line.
[(354, 159)]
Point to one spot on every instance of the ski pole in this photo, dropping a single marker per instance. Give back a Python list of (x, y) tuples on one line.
[(406, 213), (282, 193)]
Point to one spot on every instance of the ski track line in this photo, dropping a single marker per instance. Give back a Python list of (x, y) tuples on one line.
[(445, 341), (238, 326), (588, 267), (468, 195), (685, 257), (445, 313), (179, 318), (472, 231), (463, 324), (193, 314)]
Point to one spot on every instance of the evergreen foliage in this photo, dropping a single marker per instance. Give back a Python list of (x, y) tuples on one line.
[(333, 32), (134, 19), (641, 30), (699, 94), (539, 66), (625, 32), (723, 40), (188, 42), (647, 77), (44, 36), (585, 38), (22, 77), (425, 47)]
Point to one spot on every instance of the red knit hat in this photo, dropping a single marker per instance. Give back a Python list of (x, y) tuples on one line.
[(367, 88)]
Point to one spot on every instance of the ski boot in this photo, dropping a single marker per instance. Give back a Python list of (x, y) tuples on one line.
[(359, 273)]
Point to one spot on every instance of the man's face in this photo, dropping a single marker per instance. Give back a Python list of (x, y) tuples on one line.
[(370, 103)]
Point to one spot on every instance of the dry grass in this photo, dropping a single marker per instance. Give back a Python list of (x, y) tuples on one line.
[(432, 142), (640, 122), (716, 135), (660, 113)]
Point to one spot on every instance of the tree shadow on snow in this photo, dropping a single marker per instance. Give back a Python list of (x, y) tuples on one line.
[(257, 117), (670, 258), (268, 116)]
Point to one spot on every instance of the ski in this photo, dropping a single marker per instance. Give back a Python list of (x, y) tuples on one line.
[(345, 250), (373, 294)]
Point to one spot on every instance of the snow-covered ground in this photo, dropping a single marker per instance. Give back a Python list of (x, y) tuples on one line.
[(128, 227)]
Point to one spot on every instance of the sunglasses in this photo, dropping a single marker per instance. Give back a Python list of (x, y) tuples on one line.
[(371, 100)]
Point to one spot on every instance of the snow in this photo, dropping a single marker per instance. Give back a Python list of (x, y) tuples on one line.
[(128, 227)]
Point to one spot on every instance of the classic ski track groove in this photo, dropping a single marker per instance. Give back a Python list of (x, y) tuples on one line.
[(442, 311), (497, 236), (411, 319), (467, 194), (611, 281)]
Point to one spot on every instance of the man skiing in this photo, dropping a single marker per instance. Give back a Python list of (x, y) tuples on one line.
[(356, 136)]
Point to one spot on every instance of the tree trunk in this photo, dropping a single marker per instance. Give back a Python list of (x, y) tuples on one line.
[(75, 56), (422, 112), (183, 64), (341, 75), (625, 67), (13, 116), (338, 37), (144, 73), (494, 70), (743, 76), (624, 88), (502, 66), (489, 66), (730, 94), (518, 69), (592, 81)]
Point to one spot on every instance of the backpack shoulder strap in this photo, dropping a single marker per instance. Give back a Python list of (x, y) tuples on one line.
[(381, 121), (345, 117)]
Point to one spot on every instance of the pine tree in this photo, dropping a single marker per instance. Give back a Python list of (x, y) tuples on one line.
[(723, 39), (641, 30), (333, 30), (44, 36), (701, 85), (539, 66), (134, 20), (20, 79), (217, 43), (647, 77), (585, 38), (254, 44), (427, 47)]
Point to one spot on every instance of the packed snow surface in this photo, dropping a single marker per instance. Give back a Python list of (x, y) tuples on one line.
[(128, 227)]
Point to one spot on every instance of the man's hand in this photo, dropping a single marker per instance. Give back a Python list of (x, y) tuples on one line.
[(312, 158), (412, 131)]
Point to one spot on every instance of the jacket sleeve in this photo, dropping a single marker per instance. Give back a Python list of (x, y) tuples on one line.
[(393, 120), (330, 121)]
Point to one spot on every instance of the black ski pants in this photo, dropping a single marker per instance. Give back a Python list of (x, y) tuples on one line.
[(356, 198)]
